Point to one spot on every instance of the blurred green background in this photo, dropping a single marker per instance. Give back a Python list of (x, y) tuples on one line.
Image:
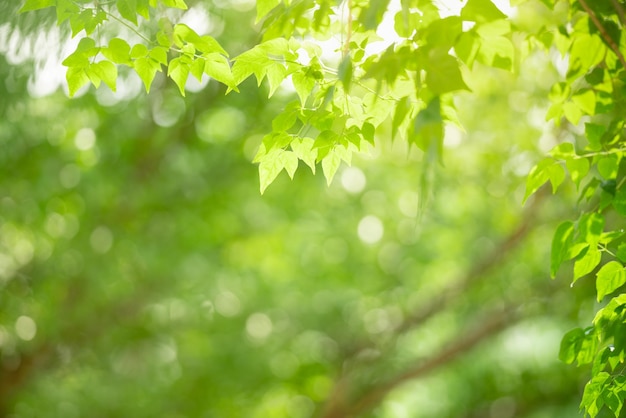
[(143, 275)]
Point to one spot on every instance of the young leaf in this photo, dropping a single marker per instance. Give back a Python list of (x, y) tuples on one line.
[(442, 72), (537, 177), (263, 7), (344, 72), (481, 11), (578, 169), (402, 109), (303, 84), (178, 71), (146, 68), (608, 166), (271, 164), (107, 72), (303, 148), (197, 68), (560, 246), (592, 402), (139, 51), (570, 345), (330, 164), (178, 4), (217, 66), (76, 78), (290, 162), (128, 10), (118, 51), (31, 5), (159, 54), (585, 264), (610, 277)]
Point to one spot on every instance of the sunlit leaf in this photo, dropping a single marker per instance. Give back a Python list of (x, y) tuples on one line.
[(560, 245), (610, 277)]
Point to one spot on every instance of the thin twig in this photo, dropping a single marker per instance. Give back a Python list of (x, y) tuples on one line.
[(605, 35), (128, 26)]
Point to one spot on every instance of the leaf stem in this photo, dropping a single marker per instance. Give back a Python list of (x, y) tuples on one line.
[(128, 26)]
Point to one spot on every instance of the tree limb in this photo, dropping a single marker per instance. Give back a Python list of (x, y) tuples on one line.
[(493, 323)]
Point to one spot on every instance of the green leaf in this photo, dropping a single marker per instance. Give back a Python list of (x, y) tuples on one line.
[(159, 54), (287, 118), (146, 68), (65, 10), (402, 109), (271, 164), (139, 51), (372, 14), (467, 47), (197, 68), (586, 52), (481, 11), (560, 246), (443, 32), (118, 51), (330, 164), (544, 170), (570, 345), (259, 59), (107, 72), (578, 169), (303, 148), (442, 73), (275, 73), (608, 165), (128, 10), (610, 277), (324, 143), (263, 7), (217, 66), (31, 5), (178, 71), (76, 78), (344, 72), (303, 84), (178, 4), (592, 402), (290, 162), (590, 227), (586, 101), (586, 263), (556, 174), (184, 34), (621, 252), (85, 49), (427, 131), (594, 133), (143, 8)]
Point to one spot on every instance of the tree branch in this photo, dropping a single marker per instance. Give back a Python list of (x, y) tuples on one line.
[(493, 323), (338, 405), (605, 35)]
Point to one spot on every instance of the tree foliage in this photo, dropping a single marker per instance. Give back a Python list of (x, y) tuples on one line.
[(346, 97)]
